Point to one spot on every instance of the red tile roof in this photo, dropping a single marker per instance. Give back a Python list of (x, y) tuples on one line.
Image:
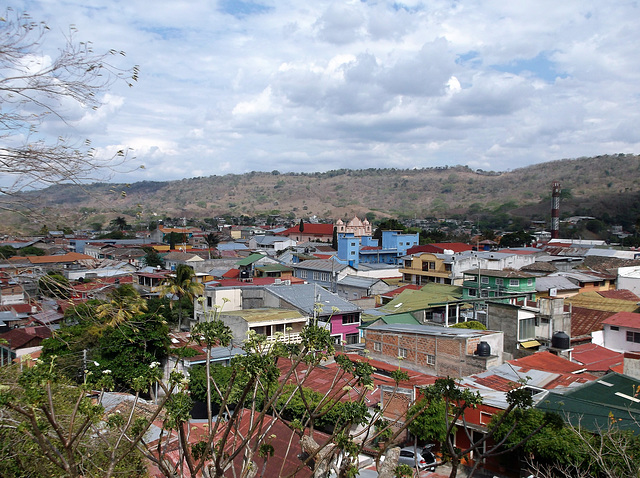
[(596, 358), (310, 229), (399, 290), (496, 382), (285, 442), (21, 308), (622, 294), (624, 319), (68, 257), (231, 274), (585, 321), (546, 361), (19, 338)]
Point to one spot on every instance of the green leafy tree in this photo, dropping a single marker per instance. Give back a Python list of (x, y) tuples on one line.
[(301, 226), (388, 225), (32, 251), (7, 251), (152, 258), (49, 427), (470, 324), (552, 445), (429, 424), (516, 239), (457, 400)]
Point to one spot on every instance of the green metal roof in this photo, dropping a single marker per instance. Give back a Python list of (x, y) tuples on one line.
[(596, 405), (274, 268), (405, 318), (431, 295), (250, 259)]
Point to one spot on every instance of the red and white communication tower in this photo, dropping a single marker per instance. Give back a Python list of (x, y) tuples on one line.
[(555, 210)]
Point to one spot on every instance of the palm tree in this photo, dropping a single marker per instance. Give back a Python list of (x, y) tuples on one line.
[(125, 304), (119, 223), (182, 285), (212, 239)]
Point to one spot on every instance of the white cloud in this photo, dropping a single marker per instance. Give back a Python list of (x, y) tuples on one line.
[(310, 86)]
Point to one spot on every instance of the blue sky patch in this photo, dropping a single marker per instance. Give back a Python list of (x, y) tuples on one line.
[(241, 9), (539, 66)]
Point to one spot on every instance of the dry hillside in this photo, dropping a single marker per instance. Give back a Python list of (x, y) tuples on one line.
[(593, 186)]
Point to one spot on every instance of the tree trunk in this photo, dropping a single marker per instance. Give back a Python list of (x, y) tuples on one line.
[(388, 467)]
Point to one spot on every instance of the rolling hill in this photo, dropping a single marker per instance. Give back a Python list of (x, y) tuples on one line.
[(603, 186)]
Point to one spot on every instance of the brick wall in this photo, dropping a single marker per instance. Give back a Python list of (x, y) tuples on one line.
[(453, 355)]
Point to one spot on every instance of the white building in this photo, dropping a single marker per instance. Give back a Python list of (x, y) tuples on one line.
[(621, 332)]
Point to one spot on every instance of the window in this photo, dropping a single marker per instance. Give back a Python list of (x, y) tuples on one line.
[(633, 337), (352, 339), (432, 265), (353, 253), (350, 319), (377, 347), (485, 417), (473, 293), (402, 353), (484, 280), (514, 283), (431, 359), (484, 293), (302, 274), (529, 282), (316, 276), (614, 327), (499, 281), (527, 329), (209, 302), (324, 277)]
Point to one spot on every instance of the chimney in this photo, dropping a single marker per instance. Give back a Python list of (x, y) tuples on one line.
[(555, 210)]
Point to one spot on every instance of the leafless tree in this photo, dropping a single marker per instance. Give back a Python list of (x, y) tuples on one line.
[(35, 87)]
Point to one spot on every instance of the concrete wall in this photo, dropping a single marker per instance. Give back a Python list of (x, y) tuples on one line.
[(629, 278)]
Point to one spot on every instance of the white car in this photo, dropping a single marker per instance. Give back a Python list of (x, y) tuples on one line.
[(415, 457)]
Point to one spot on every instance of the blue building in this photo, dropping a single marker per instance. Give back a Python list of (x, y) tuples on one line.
[(364, 249)]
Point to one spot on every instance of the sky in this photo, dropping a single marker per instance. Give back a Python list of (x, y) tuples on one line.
[(301, 86)]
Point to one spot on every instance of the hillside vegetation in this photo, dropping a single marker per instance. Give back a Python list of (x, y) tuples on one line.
[(606, 186)]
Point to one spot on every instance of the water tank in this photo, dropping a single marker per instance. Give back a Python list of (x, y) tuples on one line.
[(483, 350), (560, 340)]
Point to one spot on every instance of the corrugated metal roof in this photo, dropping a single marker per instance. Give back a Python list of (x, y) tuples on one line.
[(306, 296), (394, 319), (250, 259), (554, 282), (357, 281), (424, 298), (594, 301), (585, 321), (428, 330), (264, 314), (593, 404), (624, 319), (321, 265)]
